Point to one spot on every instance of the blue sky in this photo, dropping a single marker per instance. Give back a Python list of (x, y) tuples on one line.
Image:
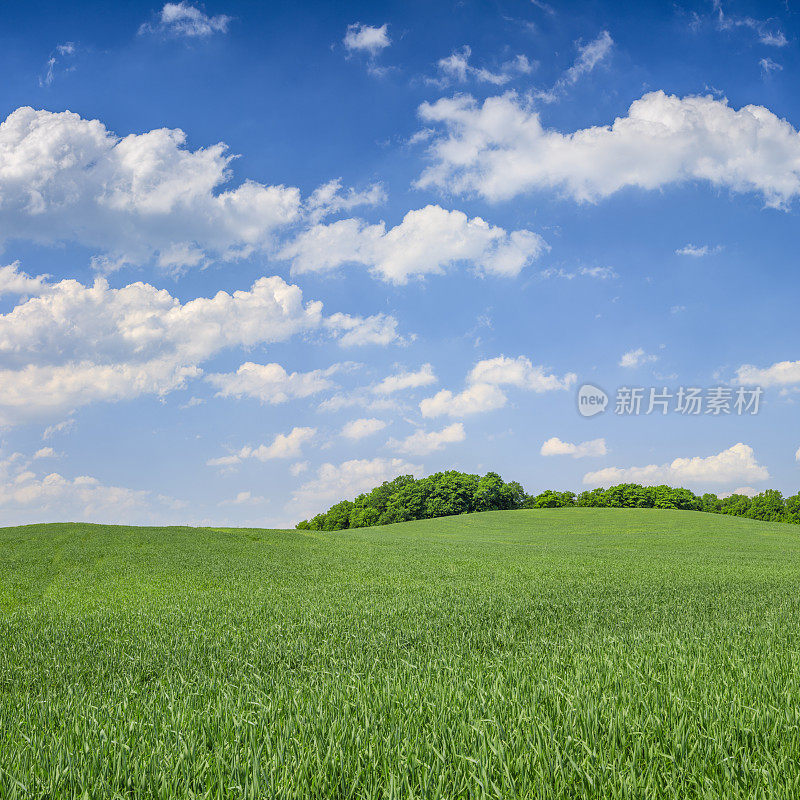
[(257, 258)]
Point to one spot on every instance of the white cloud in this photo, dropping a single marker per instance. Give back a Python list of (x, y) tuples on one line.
[(366, 38), (473, 400), (284, 445), (698, 251), (354, 331), (421, 443), (424, 376), (27, 496), (500, 149), (797, 455), (75, 344), (59, 427), (591, 448), (183, 19), (781, 373), (132, 199), (483, 392), (589, 56), (636, 358), (245, 499), (747, 491), (768, 65), (359, 428), (298, 468), (519, 372), (45, 452), (766, 31), (271, 383), (14, 281), (457, 69), (331, 199), (62, 53), (336, 482), (426, 242), (735, 464), (599, 273)]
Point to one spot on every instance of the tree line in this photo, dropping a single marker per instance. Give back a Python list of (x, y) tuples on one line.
[(444, 494)]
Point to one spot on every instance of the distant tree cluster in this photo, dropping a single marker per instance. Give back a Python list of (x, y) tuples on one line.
[(445, 494)]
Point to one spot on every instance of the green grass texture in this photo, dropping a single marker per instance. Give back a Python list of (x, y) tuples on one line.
[(564, 653)]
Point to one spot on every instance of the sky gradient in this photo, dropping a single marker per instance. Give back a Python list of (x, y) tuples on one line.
[(258, 258)]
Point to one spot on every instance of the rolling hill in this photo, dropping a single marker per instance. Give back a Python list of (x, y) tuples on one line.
[(550, 653)]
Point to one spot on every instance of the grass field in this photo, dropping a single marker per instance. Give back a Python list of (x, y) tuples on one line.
[(536, 654)]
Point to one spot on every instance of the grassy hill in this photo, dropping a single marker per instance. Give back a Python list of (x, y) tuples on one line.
[(551, 654)]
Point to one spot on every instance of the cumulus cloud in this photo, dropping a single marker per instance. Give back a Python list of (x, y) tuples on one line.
[(519, 372), (636, 358), (73, 344), (359, 428), (797, 455), (284, 445), (426, 242), (346, 480), (737, 463), (591, 448), (133, 199), (183, 19), (400, 381), (14, 281), (781, 373), (421, 443), (472, 400), (355, 331), (29, 496), (366, 38), (271, 383), (499, 149), (483, 392)]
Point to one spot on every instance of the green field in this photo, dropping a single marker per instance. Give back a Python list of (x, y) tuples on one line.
[(546, 654)]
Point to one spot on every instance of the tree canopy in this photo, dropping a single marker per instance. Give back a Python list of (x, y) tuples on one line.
[(445, 494)]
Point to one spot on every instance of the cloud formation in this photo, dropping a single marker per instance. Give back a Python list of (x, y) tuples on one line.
[(133, 199), (781, 373), (359, 428), (271, 383), (186, 20), (366, 38), (54, 497), (636, 358), (426, 242), (71, 344), (734, 465), (500, 149), (422, 443), (284, 445), (589, 449), (484, 380), (401, 381)]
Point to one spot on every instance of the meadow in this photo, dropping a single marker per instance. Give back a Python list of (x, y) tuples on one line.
[(554, 653)]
